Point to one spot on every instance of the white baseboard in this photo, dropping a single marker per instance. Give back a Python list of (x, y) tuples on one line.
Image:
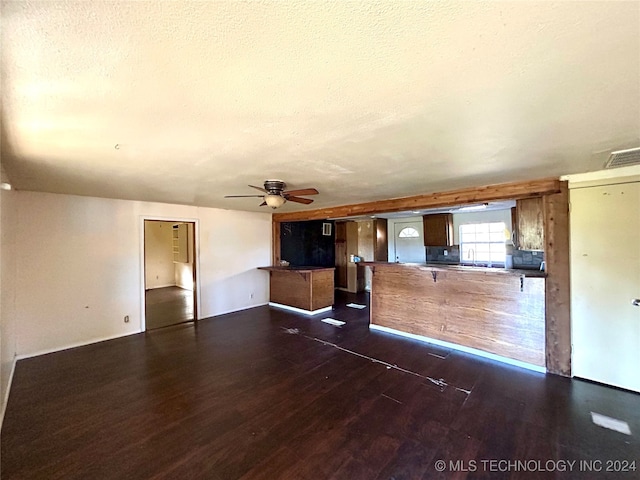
[(461, 348), (163, 286), (74, 345), (5, 400), (82, 344), (233, 311), (119, 335)]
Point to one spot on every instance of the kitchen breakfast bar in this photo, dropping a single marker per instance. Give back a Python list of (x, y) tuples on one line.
[(497, 311), (308, 290)]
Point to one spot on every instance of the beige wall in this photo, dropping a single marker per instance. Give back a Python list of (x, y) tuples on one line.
[(79, 265), (158, 251)]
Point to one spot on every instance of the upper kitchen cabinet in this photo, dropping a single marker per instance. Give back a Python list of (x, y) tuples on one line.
[(530, 224), (380, 241), (438, 229)]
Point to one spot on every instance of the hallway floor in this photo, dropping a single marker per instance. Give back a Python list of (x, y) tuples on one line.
[(168, 306)]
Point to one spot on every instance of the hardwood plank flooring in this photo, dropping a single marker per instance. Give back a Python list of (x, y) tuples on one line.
[(168, 306), (269, 394)]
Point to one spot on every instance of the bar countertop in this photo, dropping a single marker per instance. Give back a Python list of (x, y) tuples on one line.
[(295, 269), (443, 267)]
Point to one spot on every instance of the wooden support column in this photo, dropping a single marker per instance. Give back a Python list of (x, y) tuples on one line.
[(557, 291), (275, 242)]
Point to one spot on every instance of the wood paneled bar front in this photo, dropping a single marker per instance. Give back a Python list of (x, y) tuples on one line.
[(307, 289), (498, 311)]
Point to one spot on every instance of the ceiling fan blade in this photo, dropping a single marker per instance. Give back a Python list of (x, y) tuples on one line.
[(306, 201), (243, 196), (304, 191), (262, 204), (259, 188)]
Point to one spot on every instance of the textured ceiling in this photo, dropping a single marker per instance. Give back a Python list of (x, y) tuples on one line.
[(185, 102)]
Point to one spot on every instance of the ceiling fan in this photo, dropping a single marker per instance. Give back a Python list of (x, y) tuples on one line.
[(275, 194)]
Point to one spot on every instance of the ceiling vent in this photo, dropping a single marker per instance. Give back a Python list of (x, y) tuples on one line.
[(623, 158)]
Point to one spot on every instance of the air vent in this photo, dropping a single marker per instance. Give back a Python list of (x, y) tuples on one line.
[(623, 158)]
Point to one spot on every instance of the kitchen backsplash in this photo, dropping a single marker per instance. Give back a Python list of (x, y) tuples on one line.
[(527, 259), (436, 254), (524, 259)]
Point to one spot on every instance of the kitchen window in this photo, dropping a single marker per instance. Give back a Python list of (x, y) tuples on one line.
[(482, 243)]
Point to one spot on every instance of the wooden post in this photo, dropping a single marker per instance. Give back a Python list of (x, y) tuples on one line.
[(557, 291), (275, 243)]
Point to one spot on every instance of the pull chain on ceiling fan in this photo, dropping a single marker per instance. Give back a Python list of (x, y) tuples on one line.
[(275, 194)]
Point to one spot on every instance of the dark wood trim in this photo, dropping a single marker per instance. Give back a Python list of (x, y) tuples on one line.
[(505, 191), (275, 243), (194, 274), (192, 246), (557, 294)]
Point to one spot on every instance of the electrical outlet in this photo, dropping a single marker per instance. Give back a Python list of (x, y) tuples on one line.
[(126, 319), (446, 253)]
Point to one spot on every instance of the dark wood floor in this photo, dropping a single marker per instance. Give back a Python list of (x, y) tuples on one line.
[(267, 394), (168, 306)]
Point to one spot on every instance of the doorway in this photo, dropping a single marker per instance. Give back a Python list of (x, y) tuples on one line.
[(170, 293), (409, 242)]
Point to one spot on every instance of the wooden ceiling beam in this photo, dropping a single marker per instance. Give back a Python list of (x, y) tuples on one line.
[(504, 191)]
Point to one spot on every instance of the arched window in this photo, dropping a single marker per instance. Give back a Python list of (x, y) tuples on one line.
[(408, 232)]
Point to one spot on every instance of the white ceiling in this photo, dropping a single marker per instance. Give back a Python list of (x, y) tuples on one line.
[(185, 102)]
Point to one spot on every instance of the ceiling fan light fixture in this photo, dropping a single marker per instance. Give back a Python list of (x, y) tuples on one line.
[(274, 194), (274, 201)]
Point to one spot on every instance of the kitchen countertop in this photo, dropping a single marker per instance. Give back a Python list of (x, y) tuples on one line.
[(291, 268), (460, 268)]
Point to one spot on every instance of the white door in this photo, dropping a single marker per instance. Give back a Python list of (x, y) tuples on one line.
[(409, 242), (605, 280)]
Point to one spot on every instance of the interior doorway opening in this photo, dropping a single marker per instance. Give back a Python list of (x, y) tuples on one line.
[(170, 287)]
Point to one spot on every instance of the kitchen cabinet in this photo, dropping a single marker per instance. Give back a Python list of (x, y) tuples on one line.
[(307, 288), (380, 242), (529, 224), (438, 230)]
